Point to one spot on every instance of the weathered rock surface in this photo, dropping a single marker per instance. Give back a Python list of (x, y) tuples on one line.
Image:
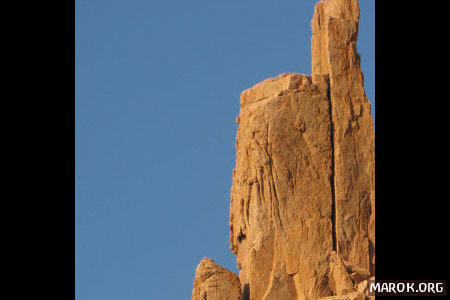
[(302, 210), (335, 31), (356, 273), (212, 282), (338, 278), (350, 296), (281, 197)]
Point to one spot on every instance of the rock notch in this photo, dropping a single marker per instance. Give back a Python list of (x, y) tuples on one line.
[(302, 213)]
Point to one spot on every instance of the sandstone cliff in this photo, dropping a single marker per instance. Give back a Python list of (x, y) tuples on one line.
[(302, 200)]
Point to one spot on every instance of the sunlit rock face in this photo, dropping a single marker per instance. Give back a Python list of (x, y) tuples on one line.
[(281, 197), (302, 209), (212, 282), (335, 31)]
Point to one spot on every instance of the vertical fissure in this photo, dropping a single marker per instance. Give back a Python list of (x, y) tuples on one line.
[(333, 194)]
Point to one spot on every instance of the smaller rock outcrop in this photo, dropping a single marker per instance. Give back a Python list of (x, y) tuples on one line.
[(212, 282)]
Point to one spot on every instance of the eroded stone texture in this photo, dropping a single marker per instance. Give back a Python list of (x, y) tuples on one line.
[(356, 273), (335, 31), (338, 278), (302, 210), (281, 197), (303, 185), (323, 11), (212, 282)]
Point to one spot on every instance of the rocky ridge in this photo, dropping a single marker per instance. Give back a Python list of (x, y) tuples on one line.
[(302, 213)]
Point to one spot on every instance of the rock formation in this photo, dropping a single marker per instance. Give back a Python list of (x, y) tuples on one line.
[(302, 208), (214, 282)]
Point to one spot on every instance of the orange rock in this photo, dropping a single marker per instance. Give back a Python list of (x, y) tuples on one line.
[(335, 31), (302, 210), (281, 198), (339, 278), (212, 282)]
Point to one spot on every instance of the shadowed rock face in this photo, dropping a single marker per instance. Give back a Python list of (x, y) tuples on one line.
[(302, 200)]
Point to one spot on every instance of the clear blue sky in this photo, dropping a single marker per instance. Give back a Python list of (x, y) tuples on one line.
[(157, 95)]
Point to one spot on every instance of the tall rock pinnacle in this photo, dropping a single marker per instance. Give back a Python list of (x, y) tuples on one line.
[(302, 200), (335, 30)]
